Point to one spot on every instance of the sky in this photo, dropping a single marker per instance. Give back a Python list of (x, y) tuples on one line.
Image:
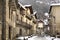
[(41, 6)]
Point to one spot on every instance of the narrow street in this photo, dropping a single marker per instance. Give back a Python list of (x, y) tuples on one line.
[(37, 38), (43, 38), (29, 19)]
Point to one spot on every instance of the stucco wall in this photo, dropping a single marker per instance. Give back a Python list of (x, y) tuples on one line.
[(56, 12)]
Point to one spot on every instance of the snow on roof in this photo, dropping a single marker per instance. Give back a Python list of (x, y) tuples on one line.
[(27, 5), (55, 4), (21, 5)]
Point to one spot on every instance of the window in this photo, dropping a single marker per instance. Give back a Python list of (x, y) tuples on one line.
[(20, 32), (13, 15), (28, 11), (9, 12), (21, 19), (17, 17), (0, 17), (9, 32), (27, 21), (30, 22), (24, 19)]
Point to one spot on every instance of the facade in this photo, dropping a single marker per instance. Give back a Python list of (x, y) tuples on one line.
[(25, 20), (20, 23), (29, 19), (55, 20), (40, 27), (15, 20), (34, 24), (8, 12)]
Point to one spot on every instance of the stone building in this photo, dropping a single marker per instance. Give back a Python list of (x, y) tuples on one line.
[(34, 28), (40, 27), (8, 19), (21, 21), (55, 18), (24, 20), (31, 19), (15, 20)]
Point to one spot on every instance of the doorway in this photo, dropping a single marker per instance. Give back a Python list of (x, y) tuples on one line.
[(20, 32), (10, 32)]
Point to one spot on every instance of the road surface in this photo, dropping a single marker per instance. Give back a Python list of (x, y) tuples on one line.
[(43, 38)]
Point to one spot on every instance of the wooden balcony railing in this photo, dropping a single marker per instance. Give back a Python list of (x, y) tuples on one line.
[(23, 24)]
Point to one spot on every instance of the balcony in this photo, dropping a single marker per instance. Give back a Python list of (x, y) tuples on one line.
[(23, 24), (22, 13), (18, 22)]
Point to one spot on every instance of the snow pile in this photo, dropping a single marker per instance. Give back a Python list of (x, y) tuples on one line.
[(48, 38), (27, 5), (20, 38), (32, 38), (57, 39)]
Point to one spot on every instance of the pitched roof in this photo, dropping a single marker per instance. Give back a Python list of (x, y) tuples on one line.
[(30, 7), (27, 5), (21, 5), (55, 4)]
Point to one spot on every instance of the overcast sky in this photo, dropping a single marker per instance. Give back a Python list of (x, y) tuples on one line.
[(41, 6)]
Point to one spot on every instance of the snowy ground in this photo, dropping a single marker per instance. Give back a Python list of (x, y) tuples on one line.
[(43, 38), (39, 38)]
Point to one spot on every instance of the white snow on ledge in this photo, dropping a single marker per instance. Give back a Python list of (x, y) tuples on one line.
[(27, 5), (21, 5), (55, 4)]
